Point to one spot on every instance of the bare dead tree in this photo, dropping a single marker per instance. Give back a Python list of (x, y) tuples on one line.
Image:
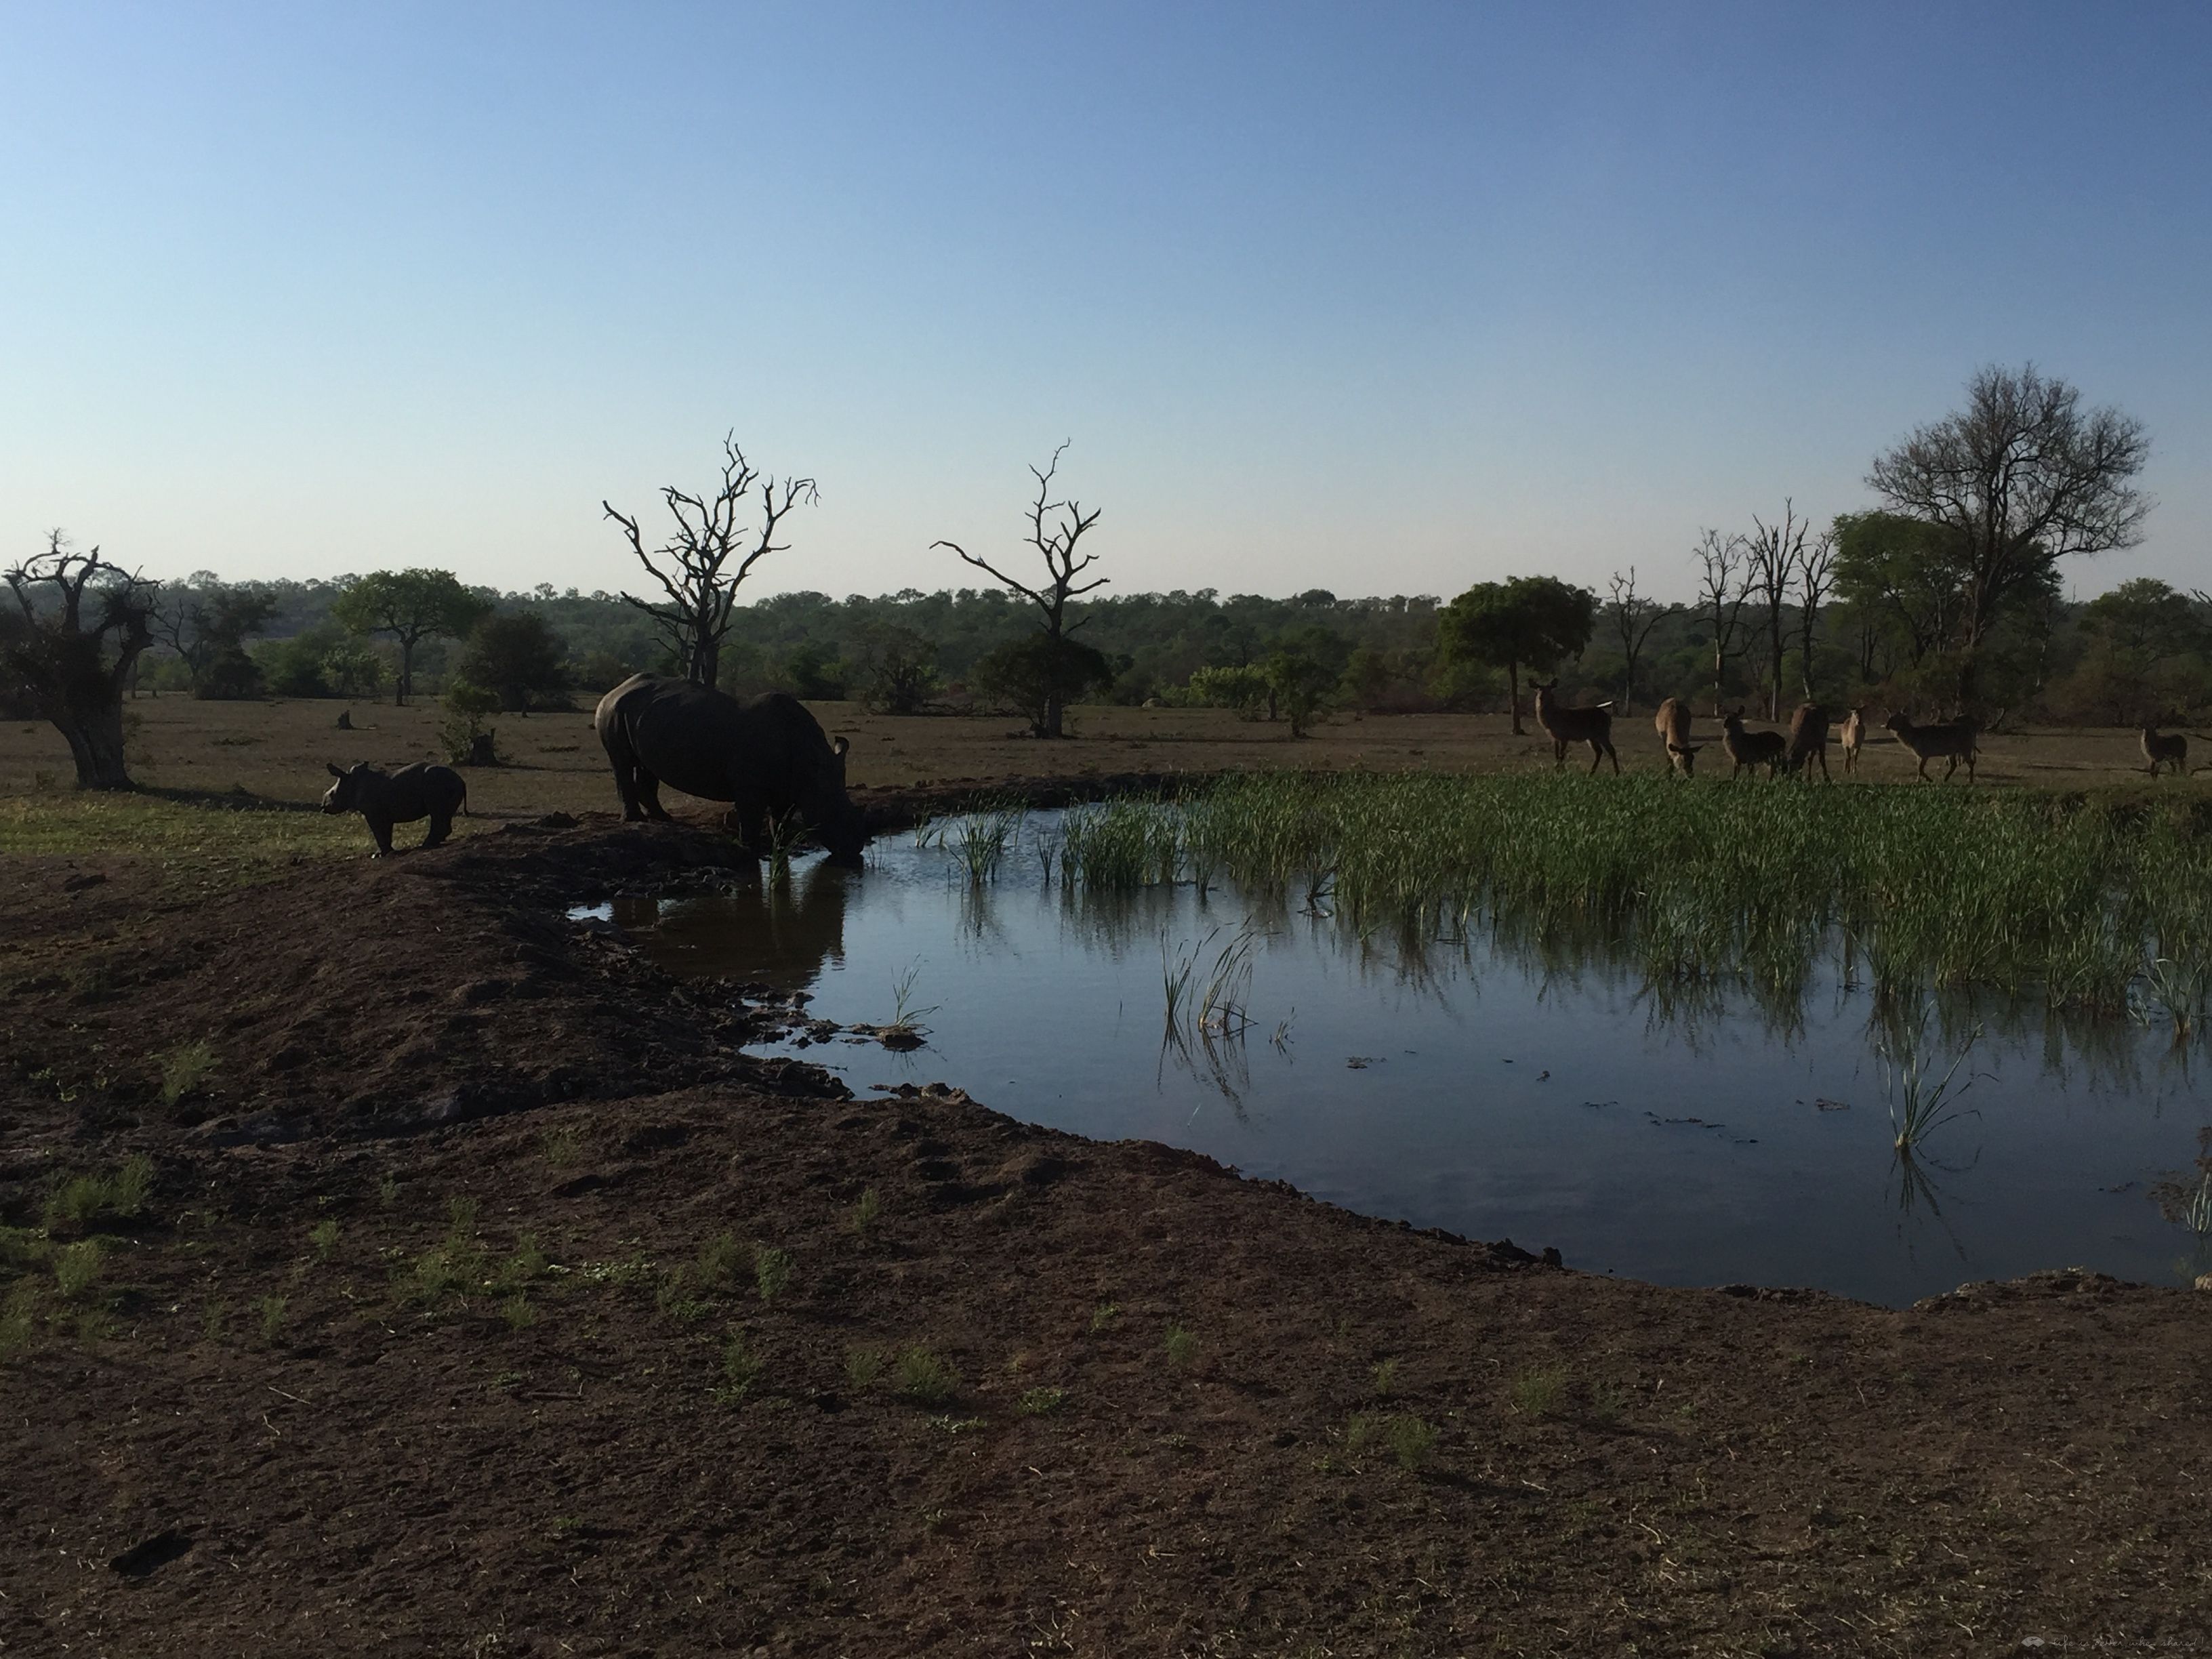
[(694, 566), (71, 646), (1633, 615), (1056, 543), (1723, 588), (1815, 573), (1770, 554)]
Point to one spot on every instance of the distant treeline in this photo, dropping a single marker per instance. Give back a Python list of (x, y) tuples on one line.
[(2143, 651)]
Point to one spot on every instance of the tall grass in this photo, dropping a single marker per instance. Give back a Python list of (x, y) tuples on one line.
[(2079, 900)]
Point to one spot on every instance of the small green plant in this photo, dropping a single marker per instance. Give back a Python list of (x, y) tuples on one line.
[(772, 1272), (1917, 1106), (184, 1070), (18, 1319), (85, 1199), (955, 1425), (906, 1029), (387, 1191), (1182, 1348), (214, 1318), (461, 1218), (1539, 1390), (562, 1528), (562, 1147), (1607, 1402), (719, 1259), (1103, 1315), (274, 1309), (864, 1366), (864, 1213), (1386, 1378), (76, 1267), (518, 1312), (741, 1368), (323, 1236), (1041, 1402), (1412, 1441), (525, 1266), (921, 1375)]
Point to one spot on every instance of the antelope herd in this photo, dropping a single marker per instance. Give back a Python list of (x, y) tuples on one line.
[(1804, 747)]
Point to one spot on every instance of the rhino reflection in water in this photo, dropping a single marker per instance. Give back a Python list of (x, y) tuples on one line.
[(784, 929), (767, 758)]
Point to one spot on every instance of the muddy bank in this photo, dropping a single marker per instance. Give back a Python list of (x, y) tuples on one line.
[(639, 1348)]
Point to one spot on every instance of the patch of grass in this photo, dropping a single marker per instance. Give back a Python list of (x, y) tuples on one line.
[(1385, 1378), (1182, 1348), (524, 1266), (19, 1320), (562, 1147), (199, 846), (741, 1368), (864, 1366), (1412, 1440), (923, 1375), (461, 1218), (387, 1191), (1608, 1401), (323, 1237), (119, 1195), (214, 1319), (1538, 1391), (1041, 1402), (719, 1259), (772, 1272), (274, 1310), (1408, 1439), (864, 1213), (1103, 1315), (76, 1268), (184, 1070), (518, 1312)]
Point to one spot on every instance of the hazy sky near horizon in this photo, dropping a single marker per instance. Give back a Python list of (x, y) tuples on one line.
[(1376, 298)]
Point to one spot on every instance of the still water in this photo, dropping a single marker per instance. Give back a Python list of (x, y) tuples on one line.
[(1494, 1087)]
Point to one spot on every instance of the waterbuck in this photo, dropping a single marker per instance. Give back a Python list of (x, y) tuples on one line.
[(1592, 725), (1808, 742), (1673, 724), (1854, 736), (1749, 748), (1954, 740), (2167, 749)]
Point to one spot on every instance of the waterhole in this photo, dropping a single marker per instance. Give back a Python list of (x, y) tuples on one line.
[(1494, 1080)]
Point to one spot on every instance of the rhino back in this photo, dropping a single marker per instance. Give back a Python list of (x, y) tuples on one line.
[(706, 742)]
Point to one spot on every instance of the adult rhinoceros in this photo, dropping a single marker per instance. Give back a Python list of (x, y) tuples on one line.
[(767, 758)]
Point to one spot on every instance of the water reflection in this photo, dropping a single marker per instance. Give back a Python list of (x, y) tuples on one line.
[(1567, 1082)]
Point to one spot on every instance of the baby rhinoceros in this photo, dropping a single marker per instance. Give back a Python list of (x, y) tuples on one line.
[(435, 793)]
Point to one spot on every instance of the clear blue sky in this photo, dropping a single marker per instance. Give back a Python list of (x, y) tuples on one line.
[(1377, 298)]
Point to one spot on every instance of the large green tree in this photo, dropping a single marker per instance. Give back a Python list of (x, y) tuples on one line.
[(411, 605), (517, 656), (2021, 478), (1530, 621)]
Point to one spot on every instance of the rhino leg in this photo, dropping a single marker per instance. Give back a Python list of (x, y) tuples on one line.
[(381, 829), (648, 789), (442, 826)]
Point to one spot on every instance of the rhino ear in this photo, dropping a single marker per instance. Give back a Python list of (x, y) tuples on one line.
[(839, 745), (335, 770)]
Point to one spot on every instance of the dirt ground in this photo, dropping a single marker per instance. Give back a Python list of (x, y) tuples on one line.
[(479, 1296), (277, 750)]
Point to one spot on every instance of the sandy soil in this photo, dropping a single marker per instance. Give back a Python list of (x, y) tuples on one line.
[(487, 1299)]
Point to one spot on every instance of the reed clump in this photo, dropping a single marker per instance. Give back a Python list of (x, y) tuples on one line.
[(2084, 900)]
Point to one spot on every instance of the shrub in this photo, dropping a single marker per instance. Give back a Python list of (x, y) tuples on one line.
[(1182, 1348), (184, 1070), (76, 1268), (772, 1272), (922, 1376)]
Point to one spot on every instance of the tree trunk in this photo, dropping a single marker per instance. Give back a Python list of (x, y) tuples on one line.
[(1774, 647), (405, 684), (1513, 696), (95, 741)]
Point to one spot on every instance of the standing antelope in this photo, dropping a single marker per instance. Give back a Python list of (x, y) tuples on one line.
[(1954, 739), (1854, 735), (2168, 749), (1808, 742), (1672, 722), (1749, 748), (1592, 725)]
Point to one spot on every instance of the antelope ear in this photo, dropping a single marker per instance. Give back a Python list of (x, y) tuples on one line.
[(335, 771)]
